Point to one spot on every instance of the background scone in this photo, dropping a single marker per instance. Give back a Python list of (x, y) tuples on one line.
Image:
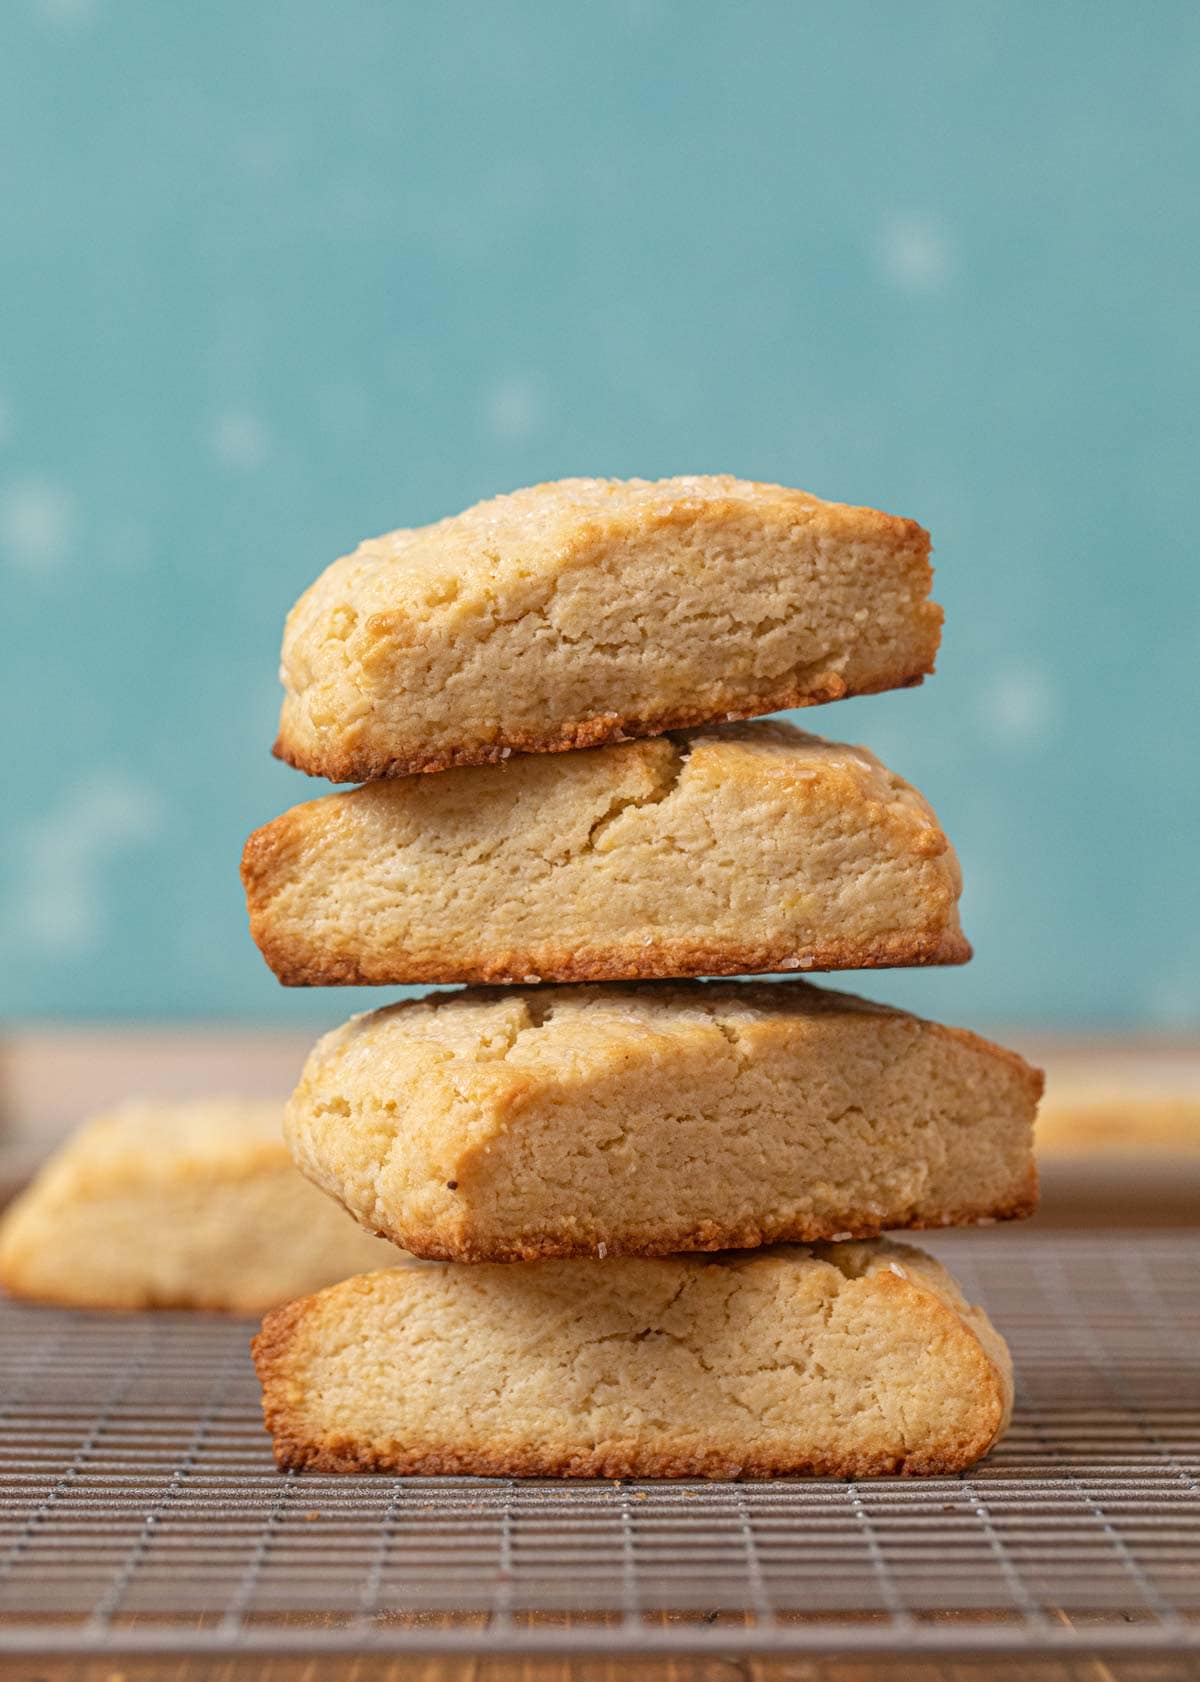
[(498, 1125), (583, 611), (847, 1360), (1121, 1113), (747, 847), (180, 1205)]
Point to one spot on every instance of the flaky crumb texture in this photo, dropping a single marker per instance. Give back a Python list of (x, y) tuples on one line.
[(580, 612), (178, 1205), (847, 1360), (506, 1124), (751, 847)]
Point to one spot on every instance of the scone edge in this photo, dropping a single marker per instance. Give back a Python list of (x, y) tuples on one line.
[(434, 1244), (349, 766), (668, 961), (326, 1453), (457, 1228)]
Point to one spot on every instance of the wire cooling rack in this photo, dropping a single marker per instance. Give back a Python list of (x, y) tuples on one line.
[(140, 1511)]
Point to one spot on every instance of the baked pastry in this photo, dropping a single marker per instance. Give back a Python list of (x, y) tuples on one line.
[(749, 847), (850, 1360), (581, 612), (507, 1124), (178, 1205), (1132, 1112)]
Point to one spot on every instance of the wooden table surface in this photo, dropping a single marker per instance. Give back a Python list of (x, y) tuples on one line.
[(367, 1669)]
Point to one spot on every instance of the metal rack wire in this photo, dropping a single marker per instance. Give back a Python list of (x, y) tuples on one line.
[(140, 1511)]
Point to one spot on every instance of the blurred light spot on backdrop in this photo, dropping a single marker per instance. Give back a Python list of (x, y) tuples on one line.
[(918, 253), (37, 523), (1019, 707), (59, 905), (240, 440), (514, 409), (67, 15)]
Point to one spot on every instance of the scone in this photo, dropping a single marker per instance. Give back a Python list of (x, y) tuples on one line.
[(581, 612), (178, 1205), (507, 1124), (749, 847), (850, 1360), (1115, 1113)]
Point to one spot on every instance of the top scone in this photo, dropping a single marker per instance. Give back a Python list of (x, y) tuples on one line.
[(588, 610)]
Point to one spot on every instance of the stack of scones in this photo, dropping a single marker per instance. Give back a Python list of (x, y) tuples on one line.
[(648, 1206)]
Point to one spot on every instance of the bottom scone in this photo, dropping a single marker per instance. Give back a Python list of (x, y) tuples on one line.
[(846, 1360), (178, 1205)]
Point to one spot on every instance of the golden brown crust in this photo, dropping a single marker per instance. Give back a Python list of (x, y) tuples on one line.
[(270, 1343), (351, 766), (1033, 1078), (483, 1125), (982, 1363), (1115, 1108), (717, 1465), (173, 1302), (642, 860), (629, 607), (177, 1205), (662, 961), (432, 1245)]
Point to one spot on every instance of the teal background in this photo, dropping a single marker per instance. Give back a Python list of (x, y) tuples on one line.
[(281, 274)]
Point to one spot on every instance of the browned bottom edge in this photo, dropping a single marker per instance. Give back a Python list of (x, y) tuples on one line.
[(430, 1245), (302, 966), (349, 767)]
